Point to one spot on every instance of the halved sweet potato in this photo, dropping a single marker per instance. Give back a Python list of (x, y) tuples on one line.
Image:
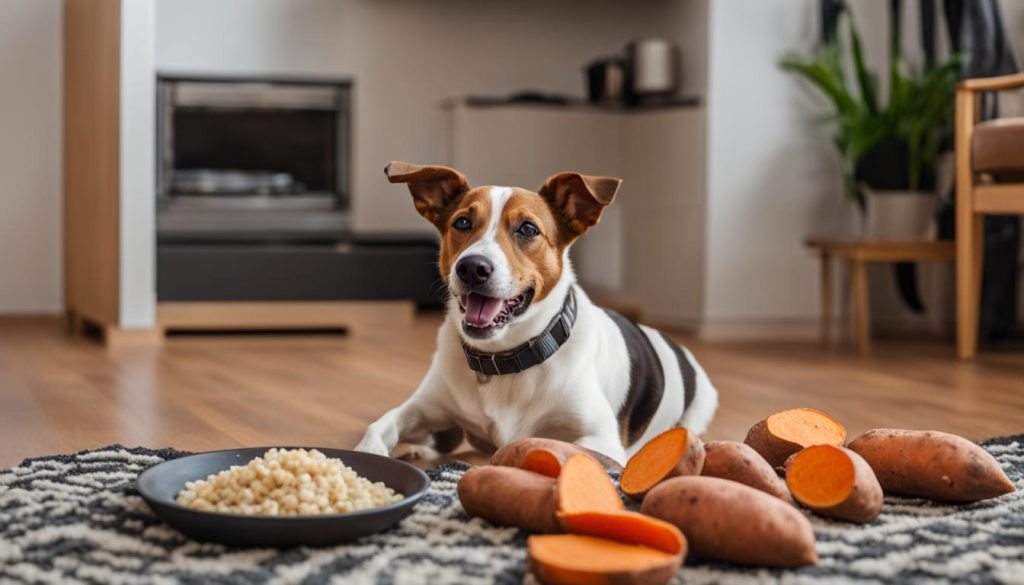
[(575, 559), (740, 462), (784, 433), (931, 464), (628, 528), (584, 486), (834, 482), (514, 453), (543, 461), (671, 454)]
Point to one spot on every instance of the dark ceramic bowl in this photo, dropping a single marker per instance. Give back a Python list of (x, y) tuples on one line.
[(160, 484)]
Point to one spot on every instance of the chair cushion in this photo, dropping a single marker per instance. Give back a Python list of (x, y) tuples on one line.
[(997, 146)]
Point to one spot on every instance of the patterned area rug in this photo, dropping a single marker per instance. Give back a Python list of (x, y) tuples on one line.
[(77, 519)]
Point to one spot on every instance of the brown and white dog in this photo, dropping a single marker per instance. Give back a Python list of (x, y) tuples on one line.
[(523, 352)]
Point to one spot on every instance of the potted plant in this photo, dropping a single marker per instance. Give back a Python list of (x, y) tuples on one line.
[(889, 151)]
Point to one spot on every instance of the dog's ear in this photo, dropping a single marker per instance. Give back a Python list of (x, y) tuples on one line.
[(433, 187), (579, 199)]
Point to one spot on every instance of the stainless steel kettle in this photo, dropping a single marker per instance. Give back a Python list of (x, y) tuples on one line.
[(652, 70)]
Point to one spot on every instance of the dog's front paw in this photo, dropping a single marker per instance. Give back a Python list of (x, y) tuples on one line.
[(410, 452), (372, 444)]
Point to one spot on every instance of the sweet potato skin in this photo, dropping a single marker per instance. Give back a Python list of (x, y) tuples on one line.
[(932, 464), (550, 574), (510, 496), (775, 450), (691, 462), (739, 462), (733, 522), (863, 504), (512, 454)]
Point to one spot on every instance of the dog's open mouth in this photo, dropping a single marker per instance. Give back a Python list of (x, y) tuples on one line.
[(484, 312)]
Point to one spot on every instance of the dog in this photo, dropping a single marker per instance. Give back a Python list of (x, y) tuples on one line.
[(523, 352)]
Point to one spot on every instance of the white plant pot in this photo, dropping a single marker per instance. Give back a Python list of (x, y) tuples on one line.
[(900, 215)]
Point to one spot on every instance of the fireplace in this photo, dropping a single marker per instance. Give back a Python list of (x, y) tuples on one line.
[(253, 198), (253, 158)]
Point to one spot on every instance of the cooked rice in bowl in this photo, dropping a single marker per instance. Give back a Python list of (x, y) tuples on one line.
[(287, 482)]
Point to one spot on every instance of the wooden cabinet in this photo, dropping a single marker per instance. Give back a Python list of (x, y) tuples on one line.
[(92, 59), (649, 246)]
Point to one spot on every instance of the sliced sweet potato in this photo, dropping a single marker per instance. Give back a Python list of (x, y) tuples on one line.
[(513, 454), (784, 433), (740, 462), (509, 496), (575, 559), (732, 522), (671, 454), (584, 486), (931, 464), (834, 482), (627, 528)]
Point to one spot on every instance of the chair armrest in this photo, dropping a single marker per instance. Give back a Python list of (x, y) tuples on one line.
[(999, 83)]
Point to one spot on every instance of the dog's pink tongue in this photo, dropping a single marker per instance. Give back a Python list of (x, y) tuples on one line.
[(481, 310)]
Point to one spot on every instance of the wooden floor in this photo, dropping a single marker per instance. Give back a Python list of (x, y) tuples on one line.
[(62, 394)]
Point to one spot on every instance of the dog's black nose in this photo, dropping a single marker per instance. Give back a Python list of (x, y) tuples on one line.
[(475, 269)]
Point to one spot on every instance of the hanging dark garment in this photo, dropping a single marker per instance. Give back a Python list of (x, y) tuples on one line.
[(976, 31)]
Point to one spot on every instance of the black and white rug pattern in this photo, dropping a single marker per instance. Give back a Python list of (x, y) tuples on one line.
[(78, 519)]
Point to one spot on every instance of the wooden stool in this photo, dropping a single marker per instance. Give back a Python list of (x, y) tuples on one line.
[(858, 253)]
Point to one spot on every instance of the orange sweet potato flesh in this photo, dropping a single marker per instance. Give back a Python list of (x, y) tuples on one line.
[(542, 461), (729, 521), (574, 559), (740, 462), (514, 453), (584, 486), (628, 528), (784, 433), (671, 454), (509, 496), (931, 464), (834, 482)]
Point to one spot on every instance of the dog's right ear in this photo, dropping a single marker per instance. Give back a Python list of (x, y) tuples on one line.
[(433, 187)]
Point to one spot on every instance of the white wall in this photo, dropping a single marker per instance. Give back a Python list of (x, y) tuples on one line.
[(30, 156), (137, 166), (773, 176), (406, 56)]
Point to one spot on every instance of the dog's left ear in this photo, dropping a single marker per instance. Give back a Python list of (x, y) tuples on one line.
[(579, 199)]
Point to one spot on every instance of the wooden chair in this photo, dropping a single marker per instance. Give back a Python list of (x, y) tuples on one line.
[(989, 181)]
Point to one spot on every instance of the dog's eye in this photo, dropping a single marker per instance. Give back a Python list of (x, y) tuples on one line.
[(528, 230), (462, 224)]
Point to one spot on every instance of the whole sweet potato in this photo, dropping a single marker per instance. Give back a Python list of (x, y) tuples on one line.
[(510, 497), (740, 462), (932, 464), (732, 522)]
